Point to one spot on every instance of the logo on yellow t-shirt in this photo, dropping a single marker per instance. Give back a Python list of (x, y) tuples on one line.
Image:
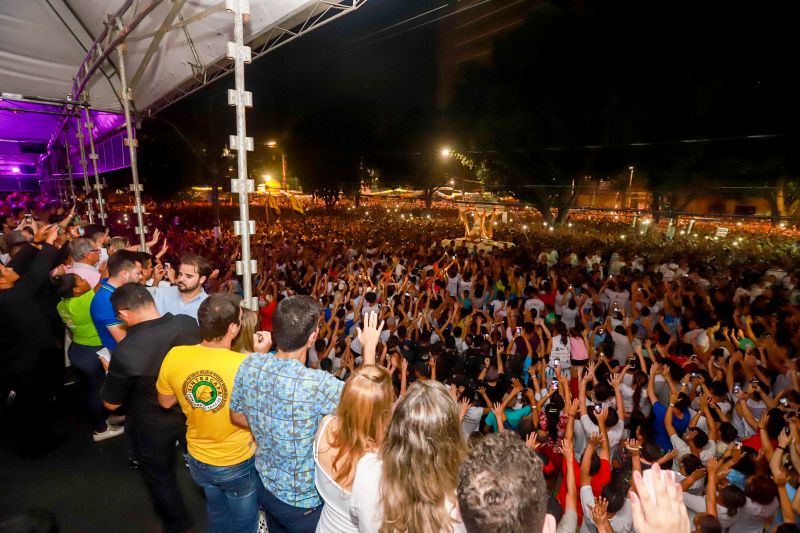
[(205, 390)]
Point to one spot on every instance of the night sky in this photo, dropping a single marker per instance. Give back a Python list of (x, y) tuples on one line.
[(681, 69), (340, 62)]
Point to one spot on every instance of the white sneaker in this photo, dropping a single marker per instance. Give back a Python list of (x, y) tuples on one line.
[(110, 432)]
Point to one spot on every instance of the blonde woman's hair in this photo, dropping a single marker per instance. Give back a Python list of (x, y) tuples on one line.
[(363, 414), (243, 343), (421, 454), (118, 243)]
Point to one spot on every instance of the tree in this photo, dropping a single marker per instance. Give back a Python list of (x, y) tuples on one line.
[(327, 147), (587, 89)]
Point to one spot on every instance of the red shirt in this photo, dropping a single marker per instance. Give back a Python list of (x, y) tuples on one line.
[(549, 298), (754, 442), (266, 313), (599, 480)]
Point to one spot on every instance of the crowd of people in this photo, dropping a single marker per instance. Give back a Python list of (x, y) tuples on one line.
[(391, 381)]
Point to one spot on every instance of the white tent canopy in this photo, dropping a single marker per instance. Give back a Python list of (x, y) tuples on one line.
[(179, 46), (60, 49)]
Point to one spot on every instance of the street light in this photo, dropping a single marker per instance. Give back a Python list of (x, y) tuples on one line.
[(274, 144), (445, 152), (630, 183)]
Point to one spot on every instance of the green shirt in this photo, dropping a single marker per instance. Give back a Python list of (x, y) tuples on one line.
[(75, 314)]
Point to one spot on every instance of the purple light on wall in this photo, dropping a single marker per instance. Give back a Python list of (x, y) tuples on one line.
[(15, 170)]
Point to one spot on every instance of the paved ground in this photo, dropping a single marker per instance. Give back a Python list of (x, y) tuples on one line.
[(88, 486)]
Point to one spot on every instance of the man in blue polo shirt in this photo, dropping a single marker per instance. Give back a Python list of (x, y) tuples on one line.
[(122, 268)]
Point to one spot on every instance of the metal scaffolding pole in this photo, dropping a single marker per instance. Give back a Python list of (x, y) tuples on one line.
[(131, 142), (86, 188), (55, 181), (73, 198), (242, 144), (93, 156)]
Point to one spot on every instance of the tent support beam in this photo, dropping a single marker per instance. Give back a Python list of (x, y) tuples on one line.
[(240, 98), (131, 142), (185, 22), (93, 156), (69, 167), (155, 43), (86, 188), (273, 39)]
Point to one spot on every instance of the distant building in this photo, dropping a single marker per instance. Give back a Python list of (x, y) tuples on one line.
[(468, 35), (605, 197)]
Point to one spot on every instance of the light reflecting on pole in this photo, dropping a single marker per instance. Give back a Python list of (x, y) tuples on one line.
[(131, 142), (241, 99), (86, 188), (93, 156)]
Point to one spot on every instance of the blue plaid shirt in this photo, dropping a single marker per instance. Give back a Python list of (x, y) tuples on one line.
[(284, 402)]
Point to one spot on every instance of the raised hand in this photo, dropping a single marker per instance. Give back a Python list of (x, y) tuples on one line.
[(370, 335), (573, 408), (463, 407), (531, 443), (632, 445), (600, 512), (657, 506), (262, 341)]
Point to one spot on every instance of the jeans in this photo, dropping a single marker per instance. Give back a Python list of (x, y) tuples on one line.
[(84, 359), (285, 518), (154, 448), (231, 495)]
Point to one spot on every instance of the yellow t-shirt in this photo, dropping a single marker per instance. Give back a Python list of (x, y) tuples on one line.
[(202, 379)]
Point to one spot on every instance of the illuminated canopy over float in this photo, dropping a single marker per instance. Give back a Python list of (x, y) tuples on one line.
[(479, 232), (76, 74)]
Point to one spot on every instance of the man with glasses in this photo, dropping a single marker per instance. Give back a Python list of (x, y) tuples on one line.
[(131, 381), (85, 255)]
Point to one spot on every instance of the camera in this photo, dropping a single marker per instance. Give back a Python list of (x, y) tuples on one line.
[(597, 408)]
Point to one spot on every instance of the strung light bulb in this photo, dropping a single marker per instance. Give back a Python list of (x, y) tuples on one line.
[(525, 227), (683, 232), (622, 237), (569, 225), (551, 228), (544, 224)]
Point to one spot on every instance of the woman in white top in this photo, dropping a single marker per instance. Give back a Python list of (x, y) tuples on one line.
[(409, 486), (560, 349), (356, 428)]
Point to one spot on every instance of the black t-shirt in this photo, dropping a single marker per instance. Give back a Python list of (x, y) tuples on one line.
[(497, 391), (135, 363)]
